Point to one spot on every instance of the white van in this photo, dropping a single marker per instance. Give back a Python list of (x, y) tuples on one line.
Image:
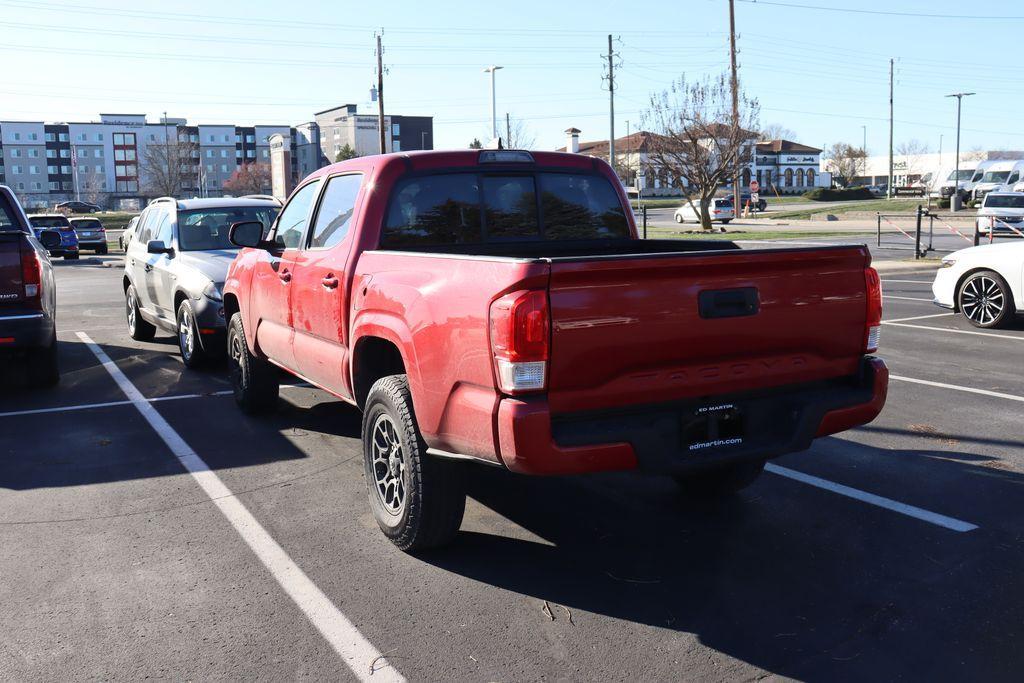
[(947, 180), (999, 177)]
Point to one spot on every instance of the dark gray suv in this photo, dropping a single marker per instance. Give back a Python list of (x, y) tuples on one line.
[(175, 267)]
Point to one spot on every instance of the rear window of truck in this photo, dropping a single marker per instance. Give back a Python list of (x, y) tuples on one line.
[(468, 208)]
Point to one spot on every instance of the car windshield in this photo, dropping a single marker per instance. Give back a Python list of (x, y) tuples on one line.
[(1005, 201), (207, 229), (964, 175), (48, 221), (995, 177)]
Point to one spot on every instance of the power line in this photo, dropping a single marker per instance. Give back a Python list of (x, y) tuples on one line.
[(887, 13)]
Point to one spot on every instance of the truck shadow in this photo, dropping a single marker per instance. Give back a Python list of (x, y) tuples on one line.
[(793, 580)]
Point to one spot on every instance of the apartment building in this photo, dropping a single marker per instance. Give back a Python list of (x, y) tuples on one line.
[(344, 126)]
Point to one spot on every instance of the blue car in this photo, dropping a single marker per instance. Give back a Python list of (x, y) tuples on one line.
[(68, 238)]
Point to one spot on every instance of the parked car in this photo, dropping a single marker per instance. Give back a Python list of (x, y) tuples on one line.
[(1001, 213), (984, 283), (762, 203), (78, 207), (950, 180), (128, 233), (720, 210), (1001, 176), (175, 268), (68, 247), (91, 234), (496, 306), (28, 295)]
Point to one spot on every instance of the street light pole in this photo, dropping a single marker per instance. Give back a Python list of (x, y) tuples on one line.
[(954, 201), (494, 101), (864, 148)]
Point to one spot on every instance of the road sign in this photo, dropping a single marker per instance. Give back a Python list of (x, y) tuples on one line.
[(754, 186)]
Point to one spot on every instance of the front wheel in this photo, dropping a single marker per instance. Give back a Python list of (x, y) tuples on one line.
[(985, 300), (679, 218), (418, 500), (720, 481), (725, 221), (192, 352), (254, 381)]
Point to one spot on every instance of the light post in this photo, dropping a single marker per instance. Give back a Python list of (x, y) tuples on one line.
[(494, 102), (955, 199), (864, 149)]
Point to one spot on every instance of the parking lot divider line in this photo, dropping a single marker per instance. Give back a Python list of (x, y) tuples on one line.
[(872, 499), (956, 387), (918, 317), (108, 404), (361, 657), (946, 329), (905, 298)]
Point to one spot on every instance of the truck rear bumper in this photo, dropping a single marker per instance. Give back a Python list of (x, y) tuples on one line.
[(25, 329), (688, 435)]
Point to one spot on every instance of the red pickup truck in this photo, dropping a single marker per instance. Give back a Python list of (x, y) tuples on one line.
[(497, 306)]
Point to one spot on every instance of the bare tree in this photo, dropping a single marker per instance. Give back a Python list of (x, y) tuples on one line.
[(693, 138), (775, 131), (518, 135), (166, 166), (90, 187), (975, 154), (912, 151), (843, 161), (250, 178)]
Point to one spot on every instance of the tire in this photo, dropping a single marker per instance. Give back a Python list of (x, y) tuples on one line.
[(71, 257), (679, 218), (193, 354), (43, 370), (253, 379), (102, 250), (725, 221), (985, 300), (138, 329), (720, 481), (427, 495)]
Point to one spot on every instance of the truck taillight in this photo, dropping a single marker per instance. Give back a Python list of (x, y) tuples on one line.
[(520, 340), (31, 273), (873, 324)]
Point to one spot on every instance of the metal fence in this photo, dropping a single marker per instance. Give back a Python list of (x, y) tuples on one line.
[(918, 231)]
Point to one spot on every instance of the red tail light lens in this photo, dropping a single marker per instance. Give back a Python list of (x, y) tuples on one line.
[(873, 323), (31, 273), (520, 340)]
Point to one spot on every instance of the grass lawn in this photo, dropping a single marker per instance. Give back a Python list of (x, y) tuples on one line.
[(112, 220), (903, 205), (673, 202)]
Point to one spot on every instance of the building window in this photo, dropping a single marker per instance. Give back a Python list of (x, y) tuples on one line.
[(15, 152), (51, 154), (99, 137), (209, 154), (118, 138), (65, 170), (16, 169), (264, 153), (194, 137), (223, 154), (35, 136), (152, 138), (65, 185), (789, 177), (37, 186), (54, 185), (17, 136), (52, 170), (34, 153), (396, 146), (33, 170), (21, 186), (810, 177), (227, 138), (211, 139), (250, 138), (50, 137), (395, 130), (250, 153), (238, 154), (223, 168), (99, 169), (61, 137), (799, 177), (81, 137), (98, 153)]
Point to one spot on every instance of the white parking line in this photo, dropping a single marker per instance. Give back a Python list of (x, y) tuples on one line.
[(957, 387), (916, 317), (905, 298), (870, 498), (356, 651), (107, 404), (1009, 337)]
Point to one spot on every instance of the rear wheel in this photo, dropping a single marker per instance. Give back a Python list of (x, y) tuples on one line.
[(42, 365), (254, 380), (138, 329), (679, 218), (418, 500), (725, 221), (985, 300), (720, 481), (102, 249)]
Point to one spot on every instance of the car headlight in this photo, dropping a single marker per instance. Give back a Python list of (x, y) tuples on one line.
[(947, 263), (212, 292)]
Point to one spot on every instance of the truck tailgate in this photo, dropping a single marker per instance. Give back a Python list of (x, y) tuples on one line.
[(11, 290), (644, 329)]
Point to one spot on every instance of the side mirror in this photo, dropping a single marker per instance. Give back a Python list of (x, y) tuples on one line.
[(50, 239), (247, 234), (158, 247)]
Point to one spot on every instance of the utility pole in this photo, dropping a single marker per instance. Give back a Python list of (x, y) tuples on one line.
[(628, 143), (888, 190), (864, 148), (508, 130), (611, 104), (735, 111), (380, 96), (492, 69), (167, 151)]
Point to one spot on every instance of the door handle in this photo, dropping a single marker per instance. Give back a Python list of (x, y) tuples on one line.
[(285, 275), (330, 282), (148, 267)]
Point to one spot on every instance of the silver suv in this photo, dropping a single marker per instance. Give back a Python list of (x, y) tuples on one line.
[(175, 267)]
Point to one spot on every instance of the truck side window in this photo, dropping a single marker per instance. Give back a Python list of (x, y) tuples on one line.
[(291, 224), (510, 207), (335, 213), (577, 206), (6, 215), (438, 209)]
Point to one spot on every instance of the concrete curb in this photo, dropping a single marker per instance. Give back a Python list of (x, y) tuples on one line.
[(904, 266)]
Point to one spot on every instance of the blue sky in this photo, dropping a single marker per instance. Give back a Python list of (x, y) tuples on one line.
[(821, 73)]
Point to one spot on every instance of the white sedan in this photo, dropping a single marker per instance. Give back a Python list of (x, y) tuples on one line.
[(720, 210), (984, 283)]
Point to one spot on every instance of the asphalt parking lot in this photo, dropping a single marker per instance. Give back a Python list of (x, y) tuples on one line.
[(152, 530)]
